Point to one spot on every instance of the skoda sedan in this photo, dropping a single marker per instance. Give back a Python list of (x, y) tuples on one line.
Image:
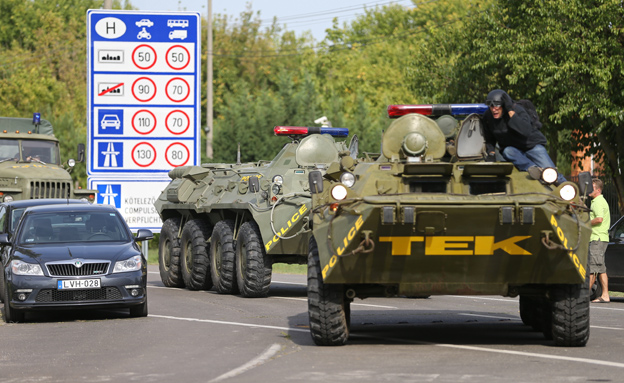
[(73, 257)]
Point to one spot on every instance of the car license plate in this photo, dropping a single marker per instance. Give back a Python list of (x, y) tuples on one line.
[(79, 284)]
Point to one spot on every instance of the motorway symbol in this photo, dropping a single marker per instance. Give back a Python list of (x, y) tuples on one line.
[(109, 194), (144, 89), (177, 122), (177, 89), (110, 89), (144, 56), (109, 154), (143, 154), (144, 122)]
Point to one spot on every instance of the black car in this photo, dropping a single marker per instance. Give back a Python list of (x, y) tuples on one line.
[(10, 214), (73, 257), (614, 259)]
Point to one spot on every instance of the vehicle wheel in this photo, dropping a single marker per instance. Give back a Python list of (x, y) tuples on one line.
[(528, 310), (169, 253), (1, 283), (139, 310), (327, 306), (195, 259), (253, 265), (11, 315), (569, 317), (222, 267)]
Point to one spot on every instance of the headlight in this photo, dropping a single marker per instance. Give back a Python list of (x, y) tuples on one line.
[(339, 192), (131, 264), (567, 192), (278, 179), (8, 198), (549, 175), (348, 179), (23, 268), (71, 162), (276, 189)]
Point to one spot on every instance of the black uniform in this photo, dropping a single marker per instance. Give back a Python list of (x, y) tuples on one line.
[(516, 131)]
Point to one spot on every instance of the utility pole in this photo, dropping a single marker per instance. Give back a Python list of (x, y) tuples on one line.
[(108, 4), (209, 126)]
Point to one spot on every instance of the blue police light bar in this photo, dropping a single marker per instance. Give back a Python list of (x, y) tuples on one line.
[(395, 111), (36, 118), (304, 131)]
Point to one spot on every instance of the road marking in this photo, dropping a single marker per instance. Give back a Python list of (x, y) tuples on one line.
[(290, 283), (352, 304), (230, 323), (605, 308), (488, 316), (256, 362), (607, 328), (483, 298)]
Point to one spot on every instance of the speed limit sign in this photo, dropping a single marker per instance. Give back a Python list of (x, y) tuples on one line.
[(144, 89), (177, 89), (177, 154), (178, 57), (143, 154), (144, 56)]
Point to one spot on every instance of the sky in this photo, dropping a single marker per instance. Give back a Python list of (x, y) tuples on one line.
[(297, 15)]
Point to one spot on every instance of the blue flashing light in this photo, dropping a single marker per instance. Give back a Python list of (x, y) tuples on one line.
[(335, 132), (466, 109), (36, 118)]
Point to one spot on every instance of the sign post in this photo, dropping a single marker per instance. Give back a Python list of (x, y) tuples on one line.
[(144, 99)]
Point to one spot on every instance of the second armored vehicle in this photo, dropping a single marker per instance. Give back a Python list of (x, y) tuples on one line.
[(431, 217), (226, 224)]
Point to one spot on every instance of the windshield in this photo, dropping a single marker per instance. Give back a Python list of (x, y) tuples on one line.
[(71, 227), (9, 149), (45, 151)]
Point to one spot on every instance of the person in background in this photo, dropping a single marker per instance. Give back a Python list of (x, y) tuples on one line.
[(509, 125), (600, 221)]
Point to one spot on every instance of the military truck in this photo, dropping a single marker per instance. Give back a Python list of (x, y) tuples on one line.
[(224, 225), (30, 162), (431, 217)]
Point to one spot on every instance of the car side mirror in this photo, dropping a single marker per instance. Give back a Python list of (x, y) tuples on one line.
[(4, 239), (143, 235), (585, 183)]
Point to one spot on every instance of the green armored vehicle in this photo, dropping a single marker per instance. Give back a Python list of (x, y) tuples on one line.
[(224, 225), (431, 217), (30, 162)]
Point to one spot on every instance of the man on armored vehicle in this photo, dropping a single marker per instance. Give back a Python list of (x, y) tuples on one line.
[(226, 224), (431, 217)]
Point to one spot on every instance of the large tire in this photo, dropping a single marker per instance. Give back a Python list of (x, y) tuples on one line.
[(222, 258), (139, 311), (169, 253), (328, 310), (570, 314), (10, 314), (253, 265), (195, 255)]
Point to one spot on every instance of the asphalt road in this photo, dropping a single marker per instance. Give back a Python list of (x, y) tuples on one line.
[(199, 336)]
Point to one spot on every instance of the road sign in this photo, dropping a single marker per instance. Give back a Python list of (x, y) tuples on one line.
[(134, 198), (143, 92)]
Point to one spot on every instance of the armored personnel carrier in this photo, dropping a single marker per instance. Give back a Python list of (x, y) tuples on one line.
[(224, 225), (431, 217)]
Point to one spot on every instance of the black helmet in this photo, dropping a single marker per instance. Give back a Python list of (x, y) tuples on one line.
[(495, 98)]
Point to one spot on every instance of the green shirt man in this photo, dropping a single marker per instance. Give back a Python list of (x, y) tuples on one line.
[(600, 221), (600, 208)]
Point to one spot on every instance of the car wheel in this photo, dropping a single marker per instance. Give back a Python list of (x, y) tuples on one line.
[(139, 311), (253, 265), (195, 258), (169, 254), (10, 314), (328, 309), (222, 258), (596, 291), (1, 284)]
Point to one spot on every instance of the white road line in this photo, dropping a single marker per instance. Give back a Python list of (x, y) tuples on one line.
[(352, 304), (488, 316), (256, 362), (454, 346), (607, 328), (289, 283), (483, 298), (229, 323), (594, 307)]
